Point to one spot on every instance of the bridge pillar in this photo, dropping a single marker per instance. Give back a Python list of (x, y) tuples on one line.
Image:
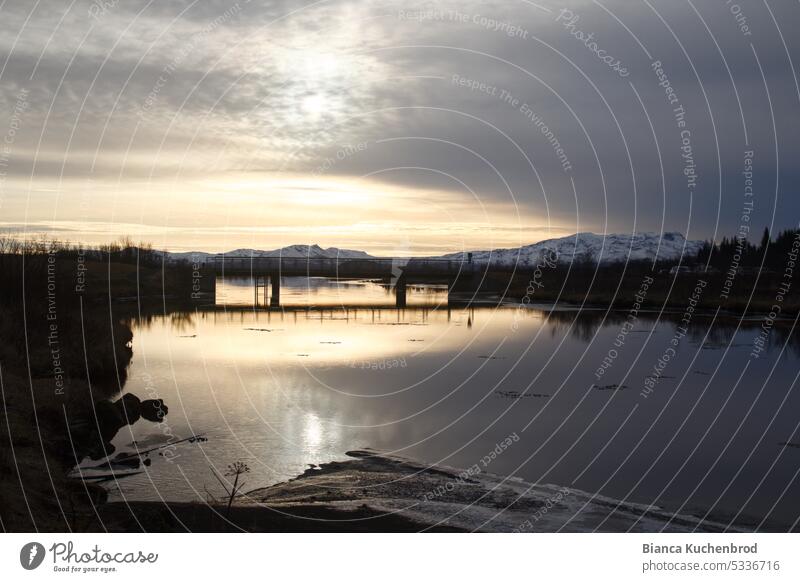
[(275, 295), (400, 289)]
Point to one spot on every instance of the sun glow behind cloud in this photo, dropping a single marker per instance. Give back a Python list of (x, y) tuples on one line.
[(230, 135)]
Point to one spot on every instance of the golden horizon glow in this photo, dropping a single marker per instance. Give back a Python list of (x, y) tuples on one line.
[(270, 210)]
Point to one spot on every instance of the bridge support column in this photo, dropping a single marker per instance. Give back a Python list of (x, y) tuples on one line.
[(400, 289), (275, 295)]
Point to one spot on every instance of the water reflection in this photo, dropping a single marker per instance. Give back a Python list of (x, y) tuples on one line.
[(324, 292), (339, 368)]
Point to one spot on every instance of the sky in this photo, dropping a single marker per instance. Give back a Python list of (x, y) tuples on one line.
[(398, 128)]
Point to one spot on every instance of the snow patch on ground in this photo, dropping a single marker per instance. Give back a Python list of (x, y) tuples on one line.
[(446, 496)]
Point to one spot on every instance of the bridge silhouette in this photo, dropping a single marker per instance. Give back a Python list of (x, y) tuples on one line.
[(398, 272)]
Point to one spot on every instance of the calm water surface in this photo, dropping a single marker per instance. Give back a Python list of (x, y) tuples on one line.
[(339, 368)]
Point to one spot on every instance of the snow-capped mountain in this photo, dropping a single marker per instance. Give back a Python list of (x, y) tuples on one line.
[(581, 247), (290, 252), (587, 246)]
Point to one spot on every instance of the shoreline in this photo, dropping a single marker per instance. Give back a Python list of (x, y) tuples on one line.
[(377, 492)]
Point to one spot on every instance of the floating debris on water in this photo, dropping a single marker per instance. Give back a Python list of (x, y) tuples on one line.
[(720, 346), (513, 394), (610, 387), (149, 441), (792, 445), (126, 464)]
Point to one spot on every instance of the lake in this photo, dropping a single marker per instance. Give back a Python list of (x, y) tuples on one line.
[(689, 422)]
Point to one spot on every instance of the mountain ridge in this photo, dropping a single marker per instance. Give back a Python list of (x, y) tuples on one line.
[(582, 246), (588, 246), (291, 251)]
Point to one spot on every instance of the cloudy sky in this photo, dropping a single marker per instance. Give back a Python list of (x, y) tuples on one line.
[(395, 127)]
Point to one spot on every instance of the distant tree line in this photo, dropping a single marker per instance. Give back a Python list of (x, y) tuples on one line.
[(124, 268), (123, 250), (770, 253), (740, 276)]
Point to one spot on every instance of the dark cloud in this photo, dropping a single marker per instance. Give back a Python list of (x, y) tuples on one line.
[(446, 95)]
